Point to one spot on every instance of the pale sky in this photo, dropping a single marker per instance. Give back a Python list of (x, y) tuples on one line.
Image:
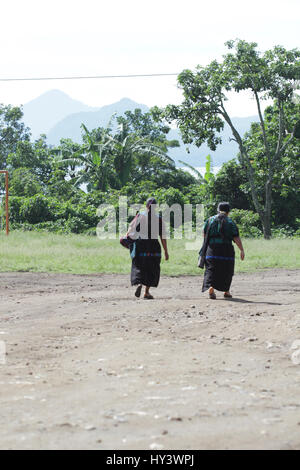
[(95, 37)]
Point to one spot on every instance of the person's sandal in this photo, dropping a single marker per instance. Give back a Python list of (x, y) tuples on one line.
[(212, 296), (138, 291), (227, 296), (148, 297)]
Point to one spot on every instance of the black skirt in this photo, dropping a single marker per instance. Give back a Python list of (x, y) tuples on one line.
[(145, 267), (219, 267)]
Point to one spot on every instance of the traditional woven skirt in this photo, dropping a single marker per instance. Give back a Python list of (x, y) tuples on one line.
[(145, 267), (219, 267)]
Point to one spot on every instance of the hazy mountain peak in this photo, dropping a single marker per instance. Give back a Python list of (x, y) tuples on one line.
[(127, 100), (57, 115), (70, 126), (43, 112)]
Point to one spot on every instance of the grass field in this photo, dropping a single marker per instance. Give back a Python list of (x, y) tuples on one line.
[(78, 254)]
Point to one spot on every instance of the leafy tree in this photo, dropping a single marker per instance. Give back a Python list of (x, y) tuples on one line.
[(24, 183), (286, 172), (203, 112), (144, 125), (33, 156), (12, 131), (230, 184), (63, 157), (248, 222), (61, 187)]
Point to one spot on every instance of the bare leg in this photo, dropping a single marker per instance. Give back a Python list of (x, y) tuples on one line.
[(138, 290), (211, 293), (147, 293)]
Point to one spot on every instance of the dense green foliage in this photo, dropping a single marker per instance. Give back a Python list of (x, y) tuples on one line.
[(12, 131), (59, 189), (202, 114)]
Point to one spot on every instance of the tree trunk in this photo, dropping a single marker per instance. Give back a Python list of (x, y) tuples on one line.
[(266, 220), (264, 211), (266, 223)]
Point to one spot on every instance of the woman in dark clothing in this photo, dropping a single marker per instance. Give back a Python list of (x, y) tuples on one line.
[(146, 250), (220, 256)]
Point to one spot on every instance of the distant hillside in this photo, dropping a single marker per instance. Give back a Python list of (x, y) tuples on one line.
[(225, 152), (70, 126), (58, 116), (44, 112)]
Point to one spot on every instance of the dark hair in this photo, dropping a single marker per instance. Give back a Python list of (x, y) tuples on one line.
[(224, 207), (150, 201)]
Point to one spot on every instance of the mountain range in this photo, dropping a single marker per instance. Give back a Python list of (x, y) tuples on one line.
[(59, 116)]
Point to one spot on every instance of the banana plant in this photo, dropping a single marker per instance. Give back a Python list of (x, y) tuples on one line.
[(66, 156), (127, 147), (197, 172), (208, 167), (98, 157), (94, 159), (104, 157)]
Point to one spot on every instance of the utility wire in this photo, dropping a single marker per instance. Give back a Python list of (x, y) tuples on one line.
[(88, 78)]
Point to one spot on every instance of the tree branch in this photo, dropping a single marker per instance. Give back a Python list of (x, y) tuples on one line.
[(280, 133), (263, 128), (284, 146), (246, 161)]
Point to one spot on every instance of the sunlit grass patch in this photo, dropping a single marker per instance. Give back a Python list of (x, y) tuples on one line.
[(79, 254)]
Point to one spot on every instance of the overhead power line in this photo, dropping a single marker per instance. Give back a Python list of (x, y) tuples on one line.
[(24, 79)]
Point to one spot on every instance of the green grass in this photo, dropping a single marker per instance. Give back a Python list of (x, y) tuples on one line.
[(79, 254)]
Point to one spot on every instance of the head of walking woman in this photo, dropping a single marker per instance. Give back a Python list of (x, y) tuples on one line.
[(224, 207), (151, 202)]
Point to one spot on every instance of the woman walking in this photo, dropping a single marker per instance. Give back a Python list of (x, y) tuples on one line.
[(220, 256), (146, 249)]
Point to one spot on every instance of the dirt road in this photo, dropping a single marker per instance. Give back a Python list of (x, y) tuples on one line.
[(88, 366)]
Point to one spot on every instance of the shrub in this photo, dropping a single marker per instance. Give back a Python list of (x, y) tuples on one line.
[(15, 203), (285, 231), (76, 225), (248, 223), (38, 208), (58, 226)]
